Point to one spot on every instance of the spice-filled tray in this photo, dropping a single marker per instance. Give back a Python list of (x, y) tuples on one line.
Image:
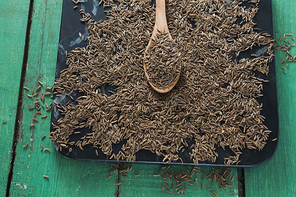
[(223, 110)]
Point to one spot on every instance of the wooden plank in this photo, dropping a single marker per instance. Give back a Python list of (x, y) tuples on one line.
[(277, 177), (65, 177), (13, 17), (148, 185)]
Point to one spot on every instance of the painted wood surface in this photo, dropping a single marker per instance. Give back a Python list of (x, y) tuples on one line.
[(13, 17), (277, 177), (65, 177), (147, 185), (73, 178)]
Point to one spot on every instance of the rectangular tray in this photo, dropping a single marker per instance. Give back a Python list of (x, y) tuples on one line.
[(70, 39)]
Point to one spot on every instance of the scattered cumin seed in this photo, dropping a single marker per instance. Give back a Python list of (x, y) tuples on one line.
[(32, 126)]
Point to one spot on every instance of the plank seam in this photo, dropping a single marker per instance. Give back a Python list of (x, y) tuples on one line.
[(241, 182), (118, 180), (19, 112)]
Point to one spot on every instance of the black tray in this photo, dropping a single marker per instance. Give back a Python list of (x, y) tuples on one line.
[(69, 39)]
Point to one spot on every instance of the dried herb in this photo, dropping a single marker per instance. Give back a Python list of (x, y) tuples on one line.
[(286, 48), (121, 168), (163, 61), (177, 180), (213, 104)]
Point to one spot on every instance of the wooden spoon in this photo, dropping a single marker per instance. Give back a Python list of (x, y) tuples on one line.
[(160, 26)]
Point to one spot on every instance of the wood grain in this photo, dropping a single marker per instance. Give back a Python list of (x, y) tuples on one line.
[(73, 178), (147, 185), (65, 177), (13, 17), (278, 176)]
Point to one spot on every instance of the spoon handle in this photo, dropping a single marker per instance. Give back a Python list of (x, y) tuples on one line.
[(160, 19)]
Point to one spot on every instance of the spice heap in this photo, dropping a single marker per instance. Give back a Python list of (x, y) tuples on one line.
[(213, 104), (163, 61), (178, 181), (286, 47), (39, 103)]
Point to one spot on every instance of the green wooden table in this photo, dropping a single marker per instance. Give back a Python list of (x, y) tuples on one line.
[(29, 37)]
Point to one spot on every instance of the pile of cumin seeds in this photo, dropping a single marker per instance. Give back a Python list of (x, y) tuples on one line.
[(163, 61), (39, 102), (178, 181), (286, 48), (213, 104)]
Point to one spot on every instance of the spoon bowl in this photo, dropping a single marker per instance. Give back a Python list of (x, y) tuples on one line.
[(160, 26)]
